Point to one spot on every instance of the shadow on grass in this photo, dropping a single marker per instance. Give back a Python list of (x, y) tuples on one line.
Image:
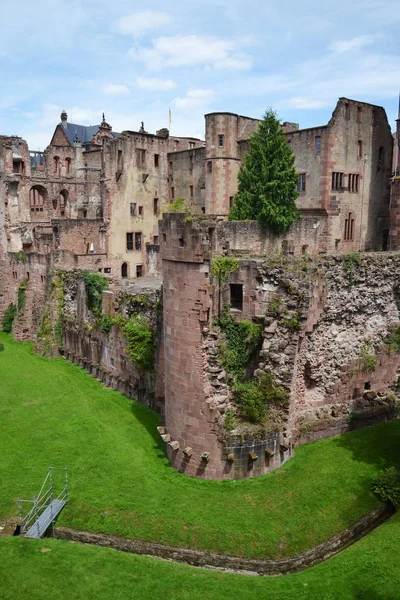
[(378, 445), (150, 421)]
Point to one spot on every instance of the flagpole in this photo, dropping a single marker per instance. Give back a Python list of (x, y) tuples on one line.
[(169, 119)]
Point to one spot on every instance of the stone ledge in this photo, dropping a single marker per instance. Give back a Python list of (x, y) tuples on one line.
[(239, 564)]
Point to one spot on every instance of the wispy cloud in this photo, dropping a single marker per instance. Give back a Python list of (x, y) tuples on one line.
[(139, 23), (116, 90), (194, 99), (356, 43), (154, 85), (192, 50)]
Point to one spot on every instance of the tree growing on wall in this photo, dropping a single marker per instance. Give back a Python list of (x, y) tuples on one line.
[(267, 179)]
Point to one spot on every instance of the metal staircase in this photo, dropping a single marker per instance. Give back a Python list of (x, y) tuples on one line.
[(46, 507)]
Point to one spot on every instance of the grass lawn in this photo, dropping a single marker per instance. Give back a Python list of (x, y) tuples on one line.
[(48, 569), (52, 412)]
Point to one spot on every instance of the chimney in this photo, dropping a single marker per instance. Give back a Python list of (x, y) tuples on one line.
[(64, 119)]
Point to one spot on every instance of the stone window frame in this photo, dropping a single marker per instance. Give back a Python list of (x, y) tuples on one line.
[(353, 180), (318, 144), (337, 181), (302, 182)]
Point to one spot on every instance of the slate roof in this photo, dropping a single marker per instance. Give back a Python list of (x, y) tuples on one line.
[(84, 133)]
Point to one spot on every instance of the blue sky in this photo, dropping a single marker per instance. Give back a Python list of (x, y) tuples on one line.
[(133, 60)]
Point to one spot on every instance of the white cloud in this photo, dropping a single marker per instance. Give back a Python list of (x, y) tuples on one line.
[(138, 23), (115, 90), (192, 50), (196, 98), (302, 102), (341, 46), (156, 85)]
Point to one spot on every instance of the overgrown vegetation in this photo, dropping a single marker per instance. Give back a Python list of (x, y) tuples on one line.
[(140, 338), (95, 284), (1, 347), (241, 341), (21, 298), (20, 257), (179, 205), (393, 341), (45, 334), (367, 357), (292, 322), (8, 317), (351, 260), (254, 397), (267, 189), (387, 486), (229, 420), (221, 268)]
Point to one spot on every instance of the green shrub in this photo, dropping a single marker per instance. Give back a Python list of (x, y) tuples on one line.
[(106, 324), (253, 397), (229, 421), (179, 205), (350, 261), (21, 296), (8, 317), (95, 284), (394, 341), (45, 334), (387, 486), (140, 342), (1, 347), (293, 323), (368, 357), (240, 343)]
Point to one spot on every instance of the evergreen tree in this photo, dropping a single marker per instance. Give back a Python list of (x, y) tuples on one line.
[(267, 179)]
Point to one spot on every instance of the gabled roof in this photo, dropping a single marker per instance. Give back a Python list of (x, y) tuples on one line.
[(84, 133)]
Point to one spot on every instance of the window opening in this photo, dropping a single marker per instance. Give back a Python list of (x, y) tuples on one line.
[(236, 296), (155, 206), (138, 241), (337, 181), (221, 141), (139, 270), (353, 182), (129, 241), (156, 160), (301, 182), (318, 144), (349, 228)]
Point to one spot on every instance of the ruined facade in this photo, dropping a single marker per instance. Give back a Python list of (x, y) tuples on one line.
[(93, 203), (327, 324), (344, 171)]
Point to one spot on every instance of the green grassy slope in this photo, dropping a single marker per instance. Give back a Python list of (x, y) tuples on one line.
[(52, 412), (48, 569)]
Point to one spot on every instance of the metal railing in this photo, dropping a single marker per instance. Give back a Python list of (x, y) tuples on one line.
[(44, 499)]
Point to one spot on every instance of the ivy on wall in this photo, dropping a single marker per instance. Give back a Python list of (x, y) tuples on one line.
[(8, 317), (241, 341), (21, 296), (95, 284)]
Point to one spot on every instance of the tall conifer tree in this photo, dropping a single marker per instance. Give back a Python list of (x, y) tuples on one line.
[(267, 179)]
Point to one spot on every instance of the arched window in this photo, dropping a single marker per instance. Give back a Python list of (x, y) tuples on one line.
[(68, 166), (56, 164), (37, 196), (124, 270), (63, 201)]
